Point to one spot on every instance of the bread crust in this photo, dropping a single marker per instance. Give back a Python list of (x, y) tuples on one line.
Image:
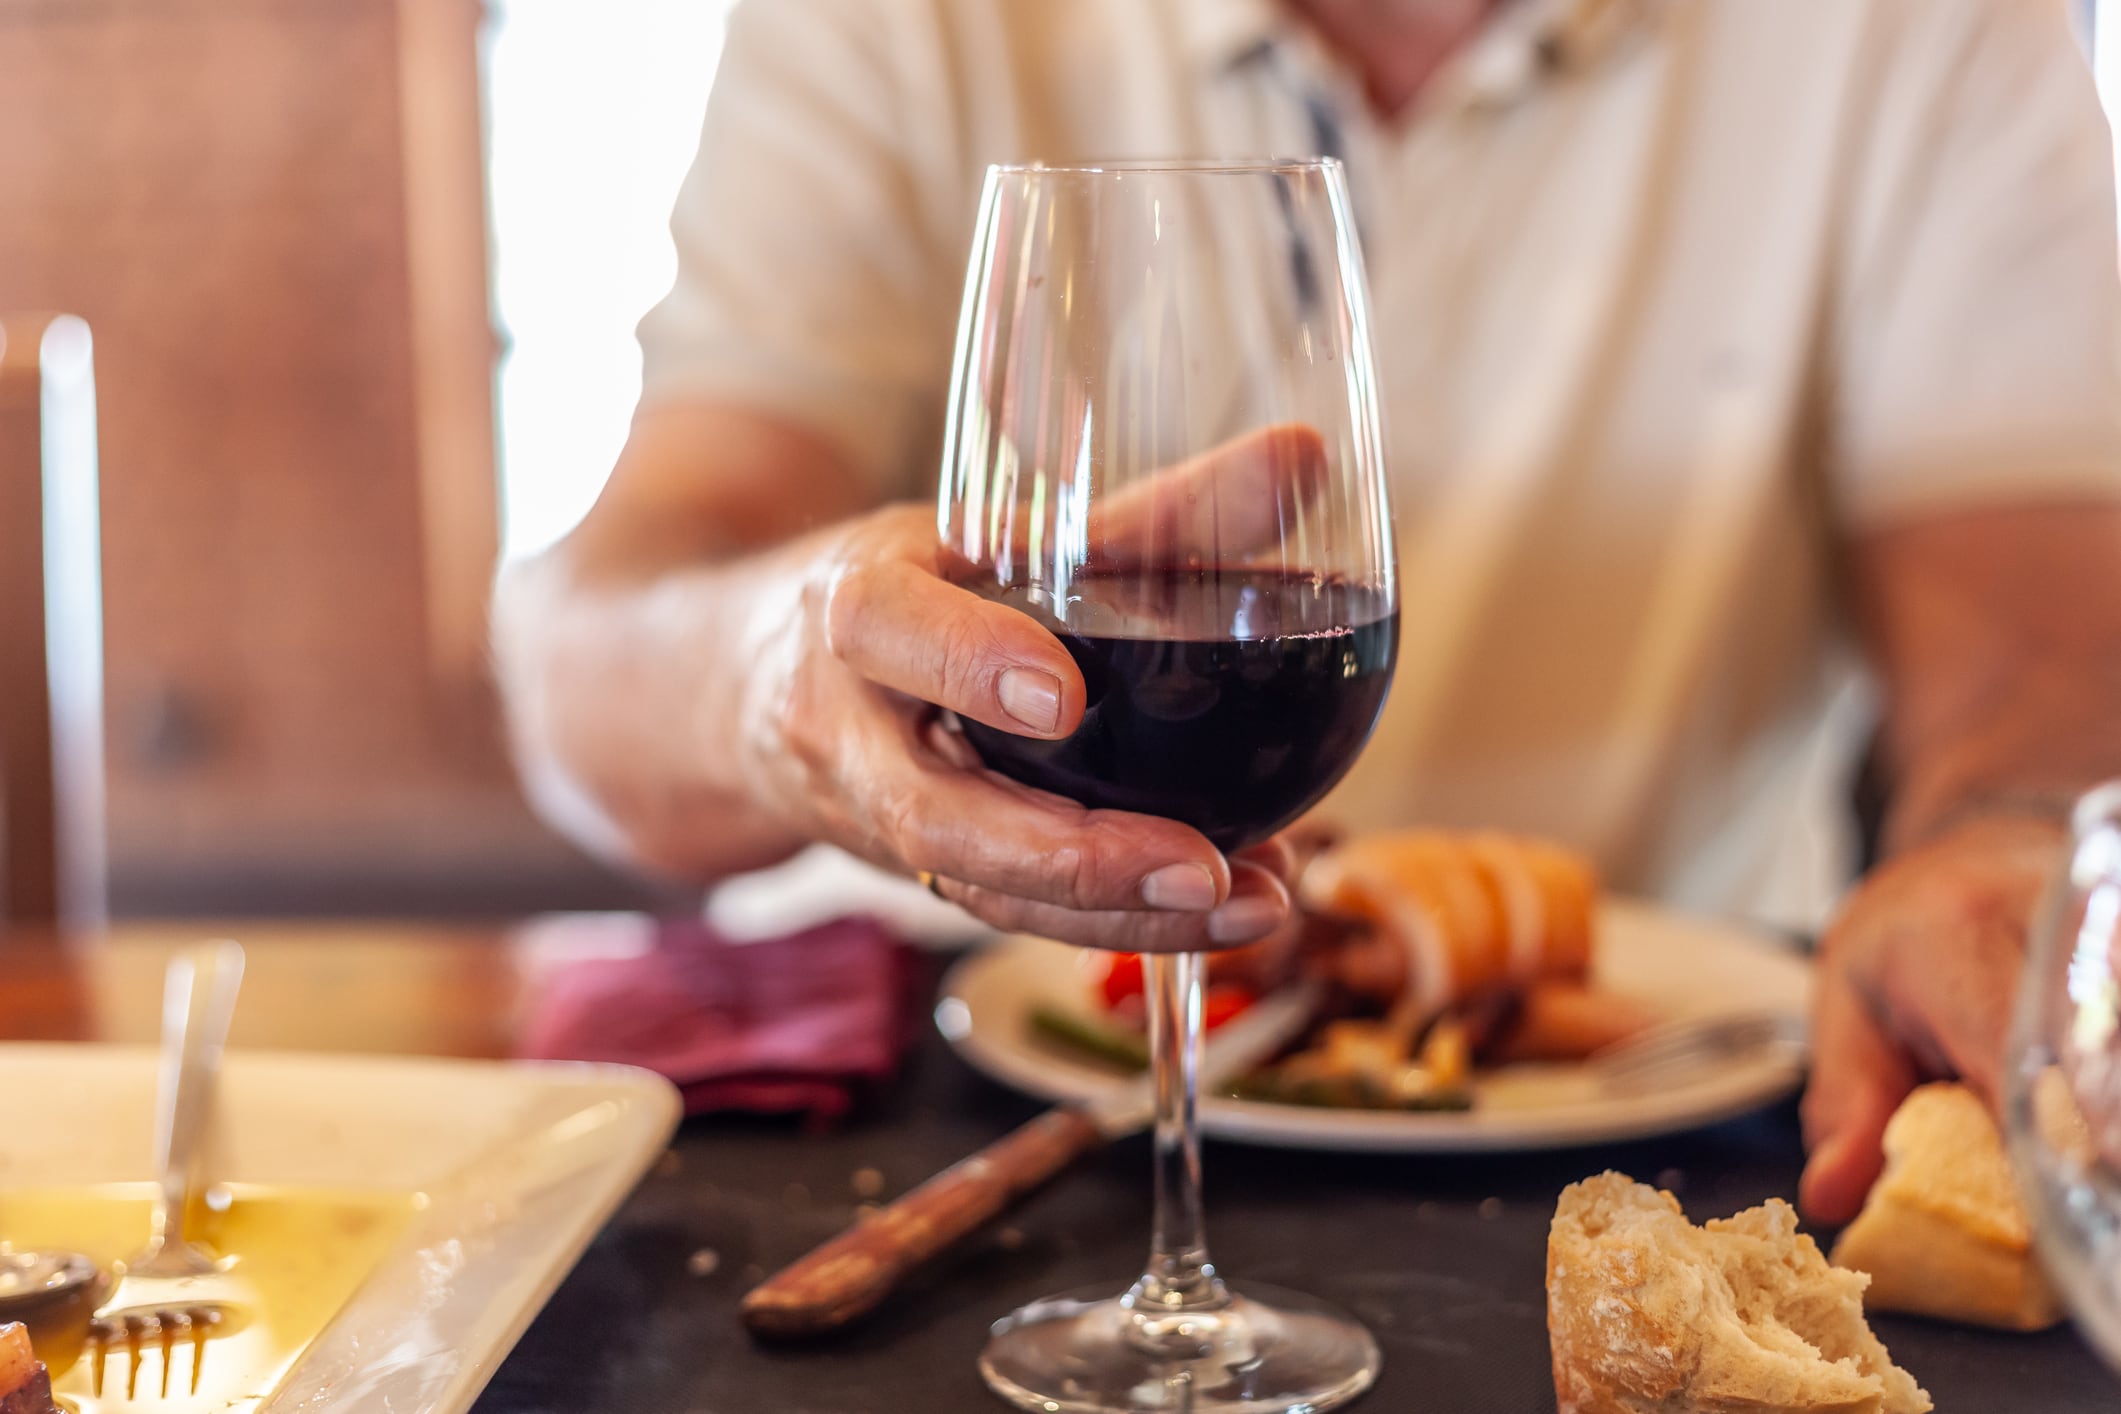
[(1945, 1233), (1924, 1265)]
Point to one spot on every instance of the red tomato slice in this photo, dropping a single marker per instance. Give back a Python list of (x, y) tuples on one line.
[(1224, 1001), (1122, 979)]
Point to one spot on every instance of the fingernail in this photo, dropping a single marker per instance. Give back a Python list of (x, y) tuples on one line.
[(1244, 920), (1184, 888), (1032, 697)]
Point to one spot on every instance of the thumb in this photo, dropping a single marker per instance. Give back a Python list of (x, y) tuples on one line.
[(1859, 1077)]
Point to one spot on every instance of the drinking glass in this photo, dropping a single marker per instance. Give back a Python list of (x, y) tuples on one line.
[(2063, 1084), (1163, 445)]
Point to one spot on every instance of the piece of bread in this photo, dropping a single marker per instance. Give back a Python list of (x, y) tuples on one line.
[(24, 1386), (1649, 1314), (1944, 1232)]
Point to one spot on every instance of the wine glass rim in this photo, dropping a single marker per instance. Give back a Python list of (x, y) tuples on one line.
[(1173, 166)]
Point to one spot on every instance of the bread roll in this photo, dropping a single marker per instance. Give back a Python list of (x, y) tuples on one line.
[(1649, 1314), (1944, 1232)]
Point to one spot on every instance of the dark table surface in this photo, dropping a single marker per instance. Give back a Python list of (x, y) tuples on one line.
[(1443, 1257)]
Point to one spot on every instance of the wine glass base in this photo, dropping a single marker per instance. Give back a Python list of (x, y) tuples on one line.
[(1267, 1352)]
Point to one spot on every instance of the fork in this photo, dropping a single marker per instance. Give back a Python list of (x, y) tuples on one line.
[(198, 1002), (1665, 1053), (136, 1326), (199, 999)]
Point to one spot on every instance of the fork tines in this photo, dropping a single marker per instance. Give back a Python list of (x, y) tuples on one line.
[(1668, 1050), (163, 1326)]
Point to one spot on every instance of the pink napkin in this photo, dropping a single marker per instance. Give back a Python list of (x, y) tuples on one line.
[(795, 1024)]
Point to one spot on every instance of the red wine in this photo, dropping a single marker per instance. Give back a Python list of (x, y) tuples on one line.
[(1231, 700)]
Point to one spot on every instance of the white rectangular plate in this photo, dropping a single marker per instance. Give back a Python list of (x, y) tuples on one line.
[(521, 1163)]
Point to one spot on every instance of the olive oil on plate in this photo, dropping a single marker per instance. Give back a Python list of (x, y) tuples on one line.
[(290, 1259)]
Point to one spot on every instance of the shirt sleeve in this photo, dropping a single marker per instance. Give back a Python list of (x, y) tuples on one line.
[(807, 283), (1977, 355)]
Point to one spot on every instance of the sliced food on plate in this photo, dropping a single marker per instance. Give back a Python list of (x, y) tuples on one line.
[(1440, 953)]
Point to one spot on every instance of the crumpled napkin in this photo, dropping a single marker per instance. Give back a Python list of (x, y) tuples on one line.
[(803, 1023)]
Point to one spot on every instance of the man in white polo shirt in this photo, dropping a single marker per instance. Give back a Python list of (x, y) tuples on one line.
[(1718, 341)]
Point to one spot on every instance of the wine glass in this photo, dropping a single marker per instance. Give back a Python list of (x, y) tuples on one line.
[(1163, 445), (2063, 1086)]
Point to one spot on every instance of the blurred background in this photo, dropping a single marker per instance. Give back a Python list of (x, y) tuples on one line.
[(359, 280)]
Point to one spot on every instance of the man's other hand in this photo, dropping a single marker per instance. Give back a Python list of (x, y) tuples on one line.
[(1916, 978)]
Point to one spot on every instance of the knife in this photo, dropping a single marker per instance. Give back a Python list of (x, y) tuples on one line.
[(846, 1277)]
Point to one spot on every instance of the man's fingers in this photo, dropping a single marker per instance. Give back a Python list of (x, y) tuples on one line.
[(1859, 1077), (896, 623), (1274, 855), (899, 626), (1233, 499), (1963, 999), (1257, 904), (985, 830)]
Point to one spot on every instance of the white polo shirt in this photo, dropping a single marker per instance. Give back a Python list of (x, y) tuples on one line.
[(1671, 298)]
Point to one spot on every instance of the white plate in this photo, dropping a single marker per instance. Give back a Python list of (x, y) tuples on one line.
[(1679, 966), (521, 1163)]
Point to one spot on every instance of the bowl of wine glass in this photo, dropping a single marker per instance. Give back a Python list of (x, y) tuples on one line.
[(2063, 1102)]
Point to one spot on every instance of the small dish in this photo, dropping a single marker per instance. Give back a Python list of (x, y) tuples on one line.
[(519, 1165)]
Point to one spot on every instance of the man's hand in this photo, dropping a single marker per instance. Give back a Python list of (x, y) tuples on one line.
[(1915, 980), (1996, 634), (843, 743)]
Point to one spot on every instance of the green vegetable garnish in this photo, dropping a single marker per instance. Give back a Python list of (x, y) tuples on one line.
[(1089, 1037)]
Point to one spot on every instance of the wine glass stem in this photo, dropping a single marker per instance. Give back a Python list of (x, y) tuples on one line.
[(1179, 1276)]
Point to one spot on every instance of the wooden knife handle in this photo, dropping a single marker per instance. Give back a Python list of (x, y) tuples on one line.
[(849, 1275)]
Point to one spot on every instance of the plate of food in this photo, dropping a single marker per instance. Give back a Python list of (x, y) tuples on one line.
[(384, 1228), (1478, 988)]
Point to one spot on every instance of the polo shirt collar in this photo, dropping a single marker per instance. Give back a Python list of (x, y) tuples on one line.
[(1523, 42)]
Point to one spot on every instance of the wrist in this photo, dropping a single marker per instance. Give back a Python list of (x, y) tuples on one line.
[(2023, 811)]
